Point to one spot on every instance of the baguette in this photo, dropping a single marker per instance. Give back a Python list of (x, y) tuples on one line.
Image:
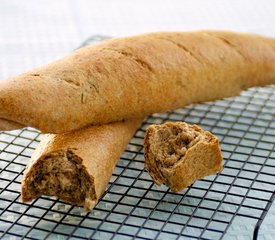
[(134, 76), (177, 154), (76, 166)]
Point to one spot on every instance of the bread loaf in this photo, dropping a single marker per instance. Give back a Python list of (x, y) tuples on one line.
[(76, 166), (177, 154), (134, 76)]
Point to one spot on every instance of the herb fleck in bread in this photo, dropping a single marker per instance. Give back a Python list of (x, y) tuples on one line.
[(134, 76), (177, 154)]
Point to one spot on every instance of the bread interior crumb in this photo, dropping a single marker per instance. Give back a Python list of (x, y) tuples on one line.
[(61, 174), (172, 142)]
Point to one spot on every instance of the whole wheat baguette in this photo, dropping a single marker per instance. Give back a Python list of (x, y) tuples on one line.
[(77, 166), (134, 76), (177, 154)]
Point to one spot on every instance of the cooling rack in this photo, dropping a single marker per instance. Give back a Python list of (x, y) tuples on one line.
[(135, 208)]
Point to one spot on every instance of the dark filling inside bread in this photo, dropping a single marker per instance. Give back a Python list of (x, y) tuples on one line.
[(172, 142), (62, 174)]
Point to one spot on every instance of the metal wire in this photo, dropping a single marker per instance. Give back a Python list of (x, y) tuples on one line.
[(134, 207)]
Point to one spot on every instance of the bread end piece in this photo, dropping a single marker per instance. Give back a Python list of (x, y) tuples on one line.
[(177, 154), (60, 174)]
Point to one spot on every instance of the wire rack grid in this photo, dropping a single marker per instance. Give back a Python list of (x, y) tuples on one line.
[(135, 208)]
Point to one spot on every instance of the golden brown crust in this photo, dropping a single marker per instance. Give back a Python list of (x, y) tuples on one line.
[(6, 125), (177, 154), (130, 77), (88, 154)]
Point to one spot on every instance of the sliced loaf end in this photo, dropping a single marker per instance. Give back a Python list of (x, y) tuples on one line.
[(60, 174), (177, 154)]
